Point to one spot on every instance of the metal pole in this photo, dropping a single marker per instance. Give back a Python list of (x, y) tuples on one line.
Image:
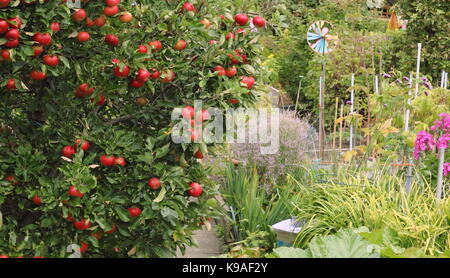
[(322, 116), (442, 79), (352, 99)]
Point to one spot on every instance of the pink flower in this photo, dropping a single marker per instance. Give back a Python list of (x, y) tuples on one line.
[(442, 142), (446, 169), (424, 141)]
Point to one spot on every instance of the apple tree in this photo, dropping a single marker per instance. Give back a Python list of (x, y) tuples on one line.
[(87, 89)]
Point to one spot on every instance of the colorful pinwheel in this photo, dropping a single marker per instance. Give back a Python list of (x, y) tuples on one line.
[(319, 38)]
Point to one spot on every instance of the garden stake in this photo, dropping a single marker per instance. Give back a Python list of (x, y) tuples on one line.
[(352, 99), (335, 125), (298, 92), (440, 174), (410, 162), (340, 128), (419, 48), (321, 114)]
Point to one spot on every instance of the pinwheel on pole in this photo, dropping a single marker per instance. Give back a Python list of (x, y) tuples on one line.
[(321, 39)]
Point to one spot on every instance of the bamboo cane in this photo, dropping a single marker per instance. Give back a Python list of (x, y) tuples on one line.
[(335, 125)]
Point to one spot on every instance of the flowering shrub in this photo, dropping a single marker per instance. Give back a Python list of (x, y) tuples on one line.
[(440, 138), (294, 135)]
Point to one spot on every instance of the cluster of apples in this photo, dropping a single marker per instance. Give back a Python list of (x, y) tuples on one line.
[(238, 58), (10, 29)]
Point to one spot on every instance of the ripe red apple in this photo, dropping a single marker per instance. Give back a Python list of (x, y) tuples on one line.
[(259, 22), (38, 49), (68, 151), (194, 134), (156, 45), (111, 11), (55, 26), (12, 180), (229, 36), (188, 112), (143, 75), (89, 22), (234, 101), (83, 36), (154, 183), (100, 21), (195, 189), (4, 26), (155, 74), (111, 3), (51, 60), (83, 224), (11, 84), (79, 15), (205, 115), (188, 7), (15, 22), (36, 200), (168, 76), (75, 192), (180, 45), (37, 75), (121, 74), (199, 154), (43, 39), (12, 34), (136, 83), (241, 19), (99, 100), (126, 17), (85, 146), (248, 81), (112, 40), (221, 71), (107, 161), (134, 212), (230, 72), (12, 43), (83, 247), (142, 49), (70, 217), (120, 161), (84, 90)]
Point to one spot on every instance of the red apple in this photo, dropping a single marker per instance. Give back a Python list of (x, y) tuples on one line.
[(241, 19), (75, 192), (195, 189), (107, 161), (154, 183), (134, 212)]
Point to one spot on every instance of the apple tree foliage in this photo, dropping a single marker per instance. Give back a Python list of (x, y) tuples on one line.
[(43, 109)]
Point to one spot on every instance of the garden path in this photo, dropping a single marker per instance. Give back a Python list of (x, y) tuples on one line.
[(209, 244)]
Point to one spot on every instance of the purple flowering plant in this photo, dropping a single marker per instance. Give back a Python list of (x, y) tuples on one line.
[(437, 138)]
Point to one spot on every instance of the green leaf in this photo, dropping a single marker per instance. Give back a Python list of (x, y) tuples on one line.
[(123, 214), (161, 195), (343, 244), (290, 252)]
